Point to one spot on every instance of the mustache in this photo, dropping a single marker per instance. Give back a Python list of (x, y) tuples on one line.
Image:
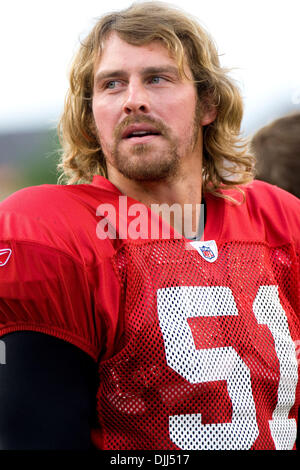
[(128, 121)]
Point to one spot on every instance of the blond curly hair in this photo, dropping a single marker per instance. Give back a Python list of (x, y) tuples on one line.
[(226, 161)]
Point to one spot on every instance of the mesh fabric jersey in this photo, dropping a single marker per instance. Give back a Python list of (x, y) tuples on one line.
[(193, 353)]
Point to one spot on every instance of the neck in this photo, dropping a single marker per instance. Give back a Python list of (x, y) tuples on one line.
[(177, 200)]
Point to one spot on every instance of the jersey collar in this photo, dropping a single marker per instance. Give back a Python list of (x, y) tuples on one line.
[(215, 207)]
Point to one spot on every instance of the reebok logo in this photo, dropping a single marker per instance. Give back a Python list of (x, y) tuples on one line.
[(5, 254)]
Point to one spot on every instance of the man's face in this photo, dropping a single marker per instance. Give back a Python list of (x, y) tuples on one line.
[(146, 115)]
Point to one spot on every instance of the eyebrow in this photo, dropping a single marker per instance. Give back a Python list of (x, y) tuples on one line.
[(144, 71)]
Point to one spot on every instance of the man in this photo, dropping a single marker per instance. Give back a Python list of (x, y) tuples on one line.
[(120, 332)]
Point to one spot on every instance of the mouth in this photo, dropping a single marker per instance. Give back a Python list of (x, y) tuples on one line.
[(140, 133)]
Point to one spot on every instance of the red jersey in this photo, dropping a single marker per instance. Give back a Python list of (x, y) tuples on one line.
[(196, 342)]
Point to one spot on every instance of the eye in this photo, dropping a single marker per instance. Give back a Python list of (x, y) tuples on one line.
[(110, 85), (156, 79)]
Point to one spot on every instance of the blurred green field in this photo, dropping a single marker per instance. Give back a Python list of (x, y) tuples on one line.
[(27, 159)]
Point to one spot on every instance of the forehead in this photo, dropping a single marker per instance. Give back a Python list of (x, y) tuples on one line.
[(118, 54)]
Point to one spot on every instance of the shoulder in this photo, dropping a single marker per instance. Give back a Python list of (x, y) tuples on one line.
[(45, 200), (56, 216), (262, 193), (266, 213), (275, 206), (276, 210), (49, 257)]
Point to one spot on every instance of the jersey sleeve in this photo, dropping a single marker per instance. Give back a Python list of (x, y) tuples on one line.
[(44, 289)]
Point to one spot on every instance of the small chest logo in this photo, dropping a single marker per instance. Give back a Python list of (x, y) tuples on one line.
[(207, 249), (5, 254), (207, 252)]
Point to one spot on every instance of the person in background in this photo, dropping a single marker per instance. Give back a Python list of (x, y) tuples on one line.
[(277, 149)]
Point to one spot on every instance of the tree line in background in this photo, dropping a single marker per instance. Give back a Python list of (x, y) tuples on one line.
[(27, 159)]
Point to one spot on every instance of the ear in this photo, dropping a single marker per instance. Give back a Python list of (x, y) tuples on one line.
[(209, 115)]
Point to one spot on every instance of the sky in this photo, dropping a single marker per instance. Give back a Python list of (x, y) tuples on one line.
[(259, 39)]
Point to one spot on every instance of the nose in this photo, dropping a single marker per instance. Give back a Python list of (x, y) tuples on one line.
[(137, 99)]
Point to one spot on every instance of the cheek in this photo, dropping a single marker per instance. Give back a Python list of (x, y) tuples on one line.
[(183, 105), (103, 119), (98, 113), (181, 116)]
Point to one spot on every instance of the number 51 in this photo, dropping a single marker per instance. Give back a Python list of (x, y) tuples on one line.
[(175, 305)]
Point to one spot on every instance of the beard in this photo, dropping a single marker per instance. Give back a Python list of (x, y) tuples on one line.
[(149, 162)]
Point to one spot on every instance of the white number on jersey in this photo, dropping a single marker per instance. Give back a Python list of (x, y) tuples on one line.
[(175, 305)]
